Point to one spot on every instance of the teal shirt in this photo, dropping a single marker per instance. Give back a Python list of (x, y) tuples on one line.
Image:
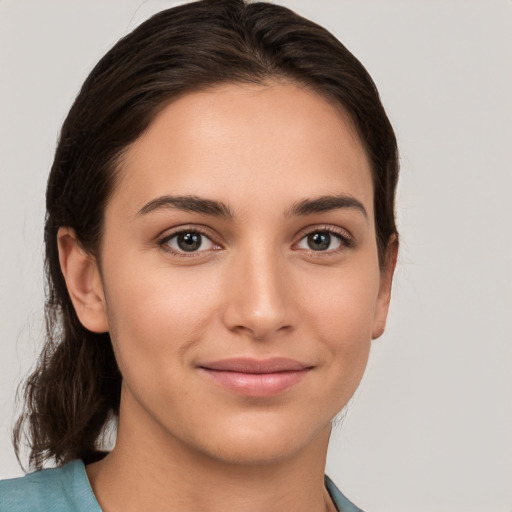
[(67, 489)]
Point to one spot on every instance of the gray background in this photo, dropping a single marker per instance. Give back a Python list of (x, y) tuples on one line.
[(430, 427)]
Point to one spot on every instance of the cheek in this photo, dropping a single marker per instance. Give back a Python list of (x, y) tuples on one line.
[(155, 317), (342, 317)]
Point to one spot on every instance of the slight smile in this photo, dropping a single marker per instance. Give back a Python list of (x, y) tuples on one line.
[(256, 378)]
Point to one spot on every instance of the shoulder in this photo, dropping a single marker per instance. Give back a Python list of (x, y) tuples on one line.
[(343, 504), (64, 489)]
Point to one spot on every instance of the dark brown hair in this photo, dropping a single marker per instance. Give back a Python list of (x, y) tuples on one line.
[(75, 388)]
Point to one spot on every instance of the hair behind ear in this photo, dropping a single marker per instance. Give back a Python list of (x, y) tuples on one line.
[(75, 387)]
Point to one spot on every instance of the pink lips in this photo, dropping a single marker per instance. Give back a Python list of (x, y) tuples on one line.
[(256, 378)]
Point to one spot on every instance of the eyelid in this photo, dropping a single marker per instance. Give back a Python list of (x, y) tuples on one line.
[(167, 235), (347, 240)]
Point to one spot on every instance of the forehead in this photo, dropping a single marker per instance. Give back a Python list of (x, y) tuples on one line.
[(239, 141)]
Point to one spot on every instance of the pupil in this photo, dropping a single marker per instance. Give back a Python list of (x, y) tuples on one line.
[(319, 241), (189, 241)]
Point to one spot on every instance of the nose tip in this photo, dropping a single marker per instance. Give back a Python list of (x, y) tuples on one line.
[(259, 302)]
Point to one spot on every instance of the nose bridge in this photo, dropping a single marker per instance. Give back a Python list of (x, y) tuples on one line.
[(259, 299)]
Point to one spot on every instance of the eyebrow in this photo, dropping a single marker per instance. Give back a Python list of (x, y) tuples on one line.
[(188, 204), (203, 206), (326, 204)]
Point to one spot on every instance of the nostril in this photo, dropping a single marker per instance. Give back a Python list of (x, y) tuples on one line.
[(261, 332)]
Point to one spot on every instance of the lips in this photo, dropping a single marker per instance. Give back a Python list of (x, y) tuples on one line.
[(256, 378)]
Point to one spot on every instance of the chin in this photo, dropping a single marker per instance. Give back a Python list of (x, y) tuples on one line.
[(263, 441)]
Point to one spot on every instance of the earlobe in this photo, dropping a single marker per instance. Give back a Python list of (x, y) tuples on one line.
[(386, 280), (83, 281)]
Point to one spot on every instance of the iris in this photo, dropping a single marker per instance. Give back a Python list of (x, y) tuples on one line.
[(189, 241), (319, 241)]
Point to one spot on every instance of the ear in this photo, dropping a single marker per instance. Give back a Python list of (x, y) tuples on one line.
[(386, 280), (83, 281)]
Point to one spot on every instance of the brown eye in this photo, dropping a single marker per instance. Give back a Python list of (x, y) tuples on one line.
[(189, 241), (321, 241)]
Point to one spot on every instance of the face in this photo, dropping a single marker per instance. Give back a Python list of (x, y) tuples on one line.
[(239, 272)]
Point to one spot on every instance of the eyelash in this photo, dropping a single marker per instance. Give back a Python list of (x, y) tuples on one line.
[(162, 242), (346, 241)]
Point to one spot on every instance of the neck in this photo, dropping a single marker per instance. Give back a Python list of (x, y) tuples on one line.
[(150, 470)]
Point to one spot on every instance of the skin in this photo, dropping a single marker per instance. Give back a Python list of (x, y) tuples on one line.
[(254, 289)]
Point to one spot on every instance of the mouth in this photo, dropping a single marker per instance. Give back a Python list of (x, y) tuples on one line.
[(256, 378)]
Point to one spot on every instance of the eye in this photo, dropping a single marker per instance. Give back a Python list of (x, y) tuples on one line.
[(322, 241), (188, 242)]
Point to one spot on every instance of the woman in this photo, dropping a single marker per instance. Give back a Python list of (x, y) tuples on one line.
[(220, 243)]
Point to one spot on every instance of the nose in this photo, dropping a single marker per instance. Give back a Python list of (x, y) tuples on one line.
[(259, 296)]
